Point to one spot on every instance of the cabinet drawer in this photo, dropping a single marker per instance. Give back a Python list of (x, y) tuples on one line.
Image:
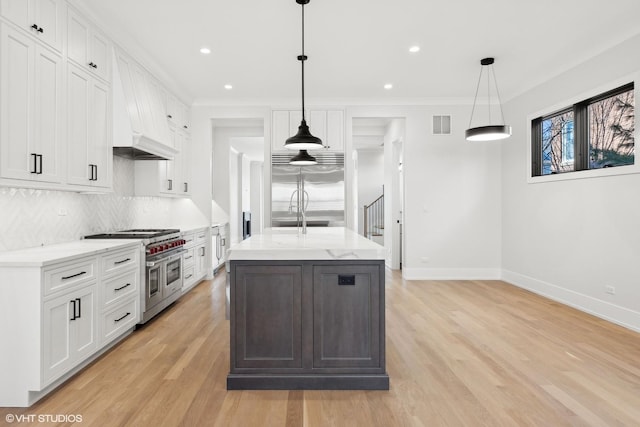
[(189, 239), (120, 287), (68, 275), (188, 258), (120, 261), (188, 276), (118, 320), (201, 236)]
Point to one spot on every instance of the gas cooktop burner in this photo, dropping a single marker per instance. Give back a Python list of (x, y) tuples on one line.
[(134, 234)]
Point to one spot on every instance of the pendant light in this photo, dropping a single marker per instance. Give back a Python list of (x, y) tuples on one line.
[(489, 132), (303, 140)]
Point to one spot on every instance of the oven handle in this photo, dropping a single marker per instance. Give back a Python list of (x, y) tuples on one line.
[(173, 255)]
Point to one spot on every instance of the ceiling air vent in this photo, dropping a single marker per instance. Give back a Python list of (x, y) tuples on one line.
[(442, 125)]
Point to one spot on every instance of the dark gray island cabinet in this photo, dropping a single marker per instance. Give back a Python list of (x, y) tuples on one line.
[(307, 324)]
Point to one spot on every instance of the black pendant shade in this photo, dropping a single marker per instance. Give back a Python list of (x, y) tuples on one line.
[(303, 159), (303, 140)]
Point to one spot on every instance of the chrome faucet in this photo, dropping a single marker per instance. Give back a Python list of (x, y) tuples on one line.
[(302, 202)]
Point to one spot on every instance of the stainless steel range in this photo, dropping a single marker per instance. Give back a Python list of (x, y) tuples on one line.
[(162, 267)]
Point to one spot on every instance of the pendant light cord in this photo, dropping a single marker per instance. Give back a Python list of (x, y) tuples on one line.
[(495, 84), (475, 98), (302, 58)]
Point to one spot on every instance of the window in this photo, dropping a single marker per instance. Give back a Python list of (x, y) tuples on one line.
[(595, 133)]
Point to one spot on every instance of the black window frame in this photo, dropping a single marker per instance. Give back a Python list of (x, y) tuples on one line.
[(580, 132)]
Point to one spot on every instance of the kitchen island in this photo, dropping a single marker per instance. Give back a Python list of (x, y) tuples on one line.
[(307, 311)]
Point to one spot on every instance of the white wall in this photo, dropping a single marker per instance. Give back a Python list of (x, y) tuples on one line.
[(370, 180), (569, 239), (452, 218), (246, 183), (257, 200)]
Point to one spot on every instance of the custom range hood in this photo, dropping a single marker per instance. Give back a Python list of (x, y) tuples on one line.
[(140, 129)]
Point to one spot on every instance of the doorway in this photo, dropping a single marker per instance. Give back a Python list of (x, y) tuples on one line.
[(379, 197), (237, 179)]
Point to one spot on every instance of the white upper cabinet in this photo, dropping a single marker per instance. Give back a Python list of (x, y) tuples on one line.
[(31, 109), (334, 140), (41, 18), (178, 113), (87, 46), (88, 131)]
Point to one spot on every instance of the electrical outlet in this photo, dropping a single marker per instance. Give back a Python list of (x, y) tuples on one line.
[(610, 290), (424, 260), (62, 212)]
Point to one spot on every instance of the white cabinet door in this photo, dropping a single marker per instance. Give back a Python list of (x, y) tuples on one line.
[(295, 117), (335, 130), (185, 154), (88, 130), (87, 47), (31, 80), (100, 145), (201, 260), (56, 339), (70, 332), (100, 55), (84, 339), (318, 125), (41, 18), (78, 112), (18, 159), (49, 109)]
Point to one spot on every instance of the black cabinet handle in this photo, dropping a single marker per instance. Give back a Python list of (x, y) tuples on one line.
[(41, 30), (95, 178), (120, 262), (74, 275), (117, 320), (35, 163), (121, 288), (170, 116), (79, 307), (35, 27), (185, 126), (346, 280), (93, 65), (170, 184), (186, 187), (90, 172), (39, 156), (74, 310)]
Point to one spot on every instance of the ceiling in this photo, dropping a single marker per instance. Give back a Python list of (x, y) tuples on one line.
[(357, 46)]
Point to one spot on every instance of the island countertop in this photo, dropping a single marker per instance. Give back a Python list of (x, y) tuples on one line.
[(320, 243)]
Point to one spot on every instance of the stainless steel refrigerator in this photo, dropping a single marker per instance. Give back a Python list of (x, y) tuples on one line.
[(324, 191)]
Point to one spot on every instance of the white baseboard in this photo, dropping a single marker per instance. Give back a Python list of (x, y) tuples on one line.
[(451, 273), (622, 316)]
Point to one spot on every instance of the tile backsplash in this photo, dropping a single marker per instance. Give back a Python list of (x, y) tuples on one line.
[(31, 217)]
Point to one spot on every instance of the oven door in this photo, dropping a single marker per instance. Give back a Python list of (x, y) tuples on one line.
[(154, 286), (173, 274)]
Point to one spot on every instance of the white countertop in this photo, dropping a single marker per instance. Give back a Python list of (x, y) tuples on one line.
[(50, 254), (320, 243)]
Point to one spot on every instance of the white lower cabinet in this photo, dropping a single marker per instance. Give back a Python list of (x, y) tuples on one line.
[(69, 310), (194, 259), (69, 334)]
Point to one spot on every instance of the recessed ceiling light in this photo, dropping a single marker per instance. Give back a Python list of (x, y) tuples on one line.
[(228, 87), (414, 49), (205, 50), (388, 86)]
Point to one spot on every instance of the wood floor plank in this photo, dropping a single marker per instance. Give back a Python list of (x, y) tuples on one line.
[(459, 353)]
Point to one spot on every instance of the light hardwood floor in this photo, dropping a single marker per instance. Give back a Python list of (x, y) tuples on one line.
[(459, 353)]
